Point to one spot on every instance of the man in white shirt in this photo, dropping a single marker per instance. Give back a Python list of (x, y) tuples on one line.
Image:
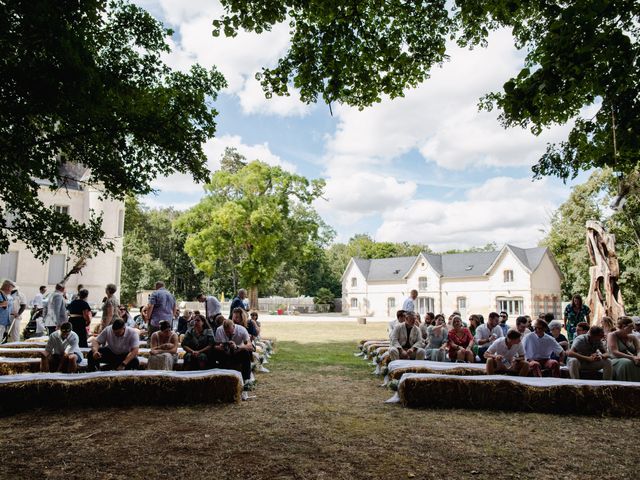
[(19, 306), (55, 313), (409, 304), (232, 347), (62, 353), (38, 300), (538, 348), (117, 346), (212, 307), (506, 354), (487, 333), (406, 340)]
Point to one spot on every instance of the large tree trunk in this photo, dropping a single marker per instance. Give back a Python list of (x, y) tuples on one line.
[(253, 297)]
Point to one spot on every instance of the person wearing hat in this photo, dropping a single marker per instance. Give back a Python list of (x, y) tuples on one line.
[(6, 307), (62, 353)]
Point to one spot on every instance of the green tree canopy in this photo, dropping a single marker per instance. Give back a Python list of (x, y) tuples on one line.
[(83, 82), (258, 216), (578, 54)]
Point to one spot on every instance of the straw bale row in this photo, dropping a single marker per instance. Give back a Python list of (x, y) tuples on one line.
[(513, 393), (107, 389)]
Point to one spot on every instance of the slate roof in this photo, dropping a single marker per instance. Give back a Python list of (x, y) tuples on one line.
[(71, 176), (455, 265)]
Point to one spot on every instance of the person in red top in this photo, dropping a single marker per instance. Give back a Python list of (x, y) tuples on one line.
[(460, 342)]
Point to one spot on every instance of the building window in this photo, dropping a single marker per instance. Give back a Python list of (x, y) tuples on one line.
[(513, 306), (508, 276), (56, 268), (391, 302), (61, 209), (425, 304), (9, 266), (354, 303), (461, 303), (422, 283), (354, 282), (121, 223)]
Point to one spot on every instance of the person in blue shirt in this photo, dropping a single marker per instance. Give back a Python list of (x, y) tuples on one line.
[(6, 307)]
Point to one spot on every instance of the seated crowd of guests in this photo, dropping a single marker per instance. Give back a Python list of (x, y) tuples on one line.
[(209, 341), (527, 349)]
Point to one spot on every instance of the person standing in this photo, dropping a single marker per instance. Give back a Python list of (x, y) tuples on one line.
[(575, 313), (6, 307), (110, 304), (212, 306), (56, 309), (162, 306), (238, 302), (38, 301), (80, 316), (409, 304), (19, 306)]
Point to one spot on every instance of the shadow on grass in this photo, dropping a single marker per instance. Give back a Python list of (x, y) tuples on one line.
[(337, 358)]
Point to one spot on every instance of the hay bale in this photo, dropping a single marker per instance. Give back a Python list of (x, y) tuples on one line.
[(11, 366), (397, 368), (362, 321), (31, 344), (21, 352), (124, 388), (544, 395)]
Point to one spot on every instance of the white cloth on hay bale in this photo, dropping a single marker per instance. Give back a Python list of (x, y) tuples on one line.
[(162, 361), (442, 366)]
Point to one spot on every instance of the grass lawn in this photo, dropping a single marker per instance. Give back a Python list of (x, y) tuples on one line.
[(318, 414)]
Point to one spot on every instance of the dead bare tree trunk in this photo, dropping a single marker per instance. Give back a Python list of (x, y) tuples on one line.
[(605, 297)]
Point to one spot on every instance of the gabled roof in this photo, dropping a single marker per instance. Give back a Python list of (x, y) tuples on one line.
[(454, 265)]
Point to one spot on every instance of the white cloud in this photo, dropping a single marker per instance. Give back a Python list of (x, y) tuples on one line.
[(214, 149), (440, 118), (502, 210), (238, 58)]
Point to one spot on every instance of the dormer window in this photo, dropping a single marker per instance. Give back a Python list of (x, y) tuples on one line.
[(468, 268), (508, 276), (422, 283), (354, 282)]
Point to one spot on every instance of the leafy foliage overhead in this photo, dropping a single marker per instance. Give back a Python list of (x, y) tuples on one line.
[(84, 82), (579, 54)]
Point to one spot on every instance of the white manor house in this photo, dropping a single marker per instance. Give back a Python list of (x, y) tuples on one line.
[(516, 280), (78, 200)]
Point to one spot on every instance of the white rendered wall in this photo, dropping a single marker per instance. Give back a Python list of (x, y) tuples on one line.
[(100, 270)]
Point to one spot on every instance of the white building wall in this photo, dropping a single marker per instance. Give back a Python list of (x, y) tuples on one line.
[(519, 288), (100, 270), (545, 288), (423, 269), (359, 291), (475, 290)]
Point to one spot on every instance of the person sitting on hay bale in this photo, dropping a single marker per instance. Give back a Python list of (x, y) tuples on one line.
[(117, 347), (197, 343), (233, 346), (588, 354), (506, 355), (164, 348), (400, 317), (406, 340), (522, 326), (240, 317), (625, 350), (582, 328), (488, 333), (62, 353), (436, 348), (554, 330), (538, 349), (460, 342)]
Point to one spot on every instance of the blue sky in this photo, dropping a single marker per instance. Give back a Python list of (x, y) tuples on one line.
[(425, 168)]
